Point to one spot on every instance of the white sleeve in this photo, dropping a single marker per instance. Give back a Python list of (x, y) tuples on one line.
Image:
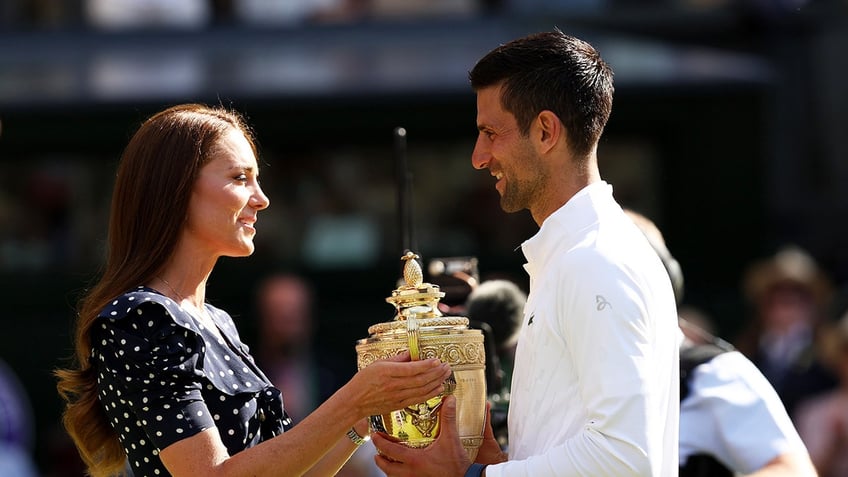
[(749, 423)]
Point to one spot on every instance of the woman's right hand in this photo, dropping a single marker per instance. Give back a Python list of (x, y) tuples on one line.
[(394, 383)]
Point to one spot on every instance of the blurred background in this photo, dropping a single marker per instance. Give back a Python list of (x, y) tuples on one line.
[(728, 130)]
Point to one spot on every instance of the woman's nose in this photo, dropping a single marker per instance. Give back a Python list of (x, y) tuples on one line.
[(259, 199)]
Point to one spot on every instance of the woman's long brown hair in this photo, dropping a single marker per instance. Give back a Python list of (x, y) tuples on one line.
[(149, 204)]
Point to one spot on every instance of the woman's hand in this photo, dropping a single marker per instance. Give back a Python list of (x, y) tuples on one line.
[(394, 383)]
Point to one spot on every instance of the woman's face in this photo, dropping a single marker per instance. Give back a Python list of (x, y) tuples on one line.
[(225, 200)]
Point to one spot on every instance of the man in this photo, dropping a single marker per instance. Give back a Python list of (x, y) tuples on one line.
[(595, 385), (731, 418)]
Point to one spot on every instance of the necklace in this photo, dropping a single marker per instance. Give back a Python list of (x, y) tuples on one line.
[(199, 311), (175, 292)]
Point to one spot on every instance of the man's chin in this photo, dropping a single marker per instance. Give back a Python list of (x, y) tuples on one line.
[(510, 207)]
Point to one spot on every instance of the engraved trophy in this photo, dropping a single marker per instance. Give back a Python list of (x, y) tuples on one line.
[(420, 328)]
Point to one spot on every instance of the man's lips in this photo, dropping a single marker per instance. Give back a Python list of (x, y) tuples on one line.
[(500, 181)]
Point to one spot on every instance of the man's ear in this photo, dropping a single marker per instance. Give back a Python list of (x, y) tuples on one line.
[(550, 130)]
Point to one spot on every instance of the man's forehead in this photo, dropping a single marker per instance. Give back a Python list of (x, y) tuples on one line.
[(490, 110)]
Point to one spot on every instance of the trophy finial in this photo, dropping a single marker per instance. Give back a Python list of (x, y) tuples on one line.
[(415, 297), (412, 273)]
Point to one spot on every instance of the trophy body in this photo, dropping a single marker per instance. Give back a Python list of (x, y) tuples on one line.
[(420, 328)]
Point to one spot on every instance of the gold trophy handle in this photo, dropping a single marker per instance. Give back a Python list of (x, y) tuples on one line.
[(412, 335)]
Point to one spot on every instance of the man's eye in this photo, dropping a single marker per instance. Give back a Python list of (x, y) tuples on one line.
[(241, 177)]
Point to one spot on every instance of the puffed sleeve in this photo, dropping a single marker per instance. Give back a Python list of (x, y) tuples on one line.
[(148, 362)]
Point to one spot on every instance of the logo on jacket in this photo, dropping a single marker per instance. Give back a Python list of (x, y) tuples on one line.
[(601, 303)]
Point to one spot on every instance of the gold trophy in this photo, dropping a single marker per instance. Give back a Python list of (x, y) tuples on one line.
[(420, 327)]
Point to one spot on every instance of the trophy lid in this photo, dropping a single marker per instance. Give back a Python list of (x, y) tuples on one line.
[(415, 297)]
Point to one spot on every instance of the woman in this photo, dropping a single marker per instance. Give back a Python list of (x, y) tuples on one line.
[(163, 382)]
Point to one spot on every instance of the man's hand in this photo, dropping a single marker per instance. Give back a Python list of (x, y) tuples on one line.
[(445, 457), (490, 451)]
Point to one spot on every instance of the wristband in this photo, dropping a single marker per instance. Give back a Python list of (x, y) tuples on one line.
[(476, 470), (356, 438)]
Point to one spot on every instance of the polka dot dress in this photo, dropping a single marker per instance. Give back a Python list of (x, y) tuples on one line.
[(162, 377)]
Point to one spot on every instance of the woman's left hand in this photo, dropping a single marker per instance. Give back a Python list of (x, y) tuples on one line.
[(395, 383)]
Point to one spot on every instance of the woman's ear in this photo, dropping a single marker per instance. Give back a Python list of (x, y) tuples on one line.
[(550, 130)]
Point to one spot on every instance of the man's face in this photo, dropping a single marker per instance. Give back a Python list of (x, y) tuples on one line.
[(508, 155)]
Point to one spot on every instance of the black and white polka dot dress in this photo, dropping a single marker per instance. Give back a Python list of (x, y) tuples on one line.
[(162, 377)]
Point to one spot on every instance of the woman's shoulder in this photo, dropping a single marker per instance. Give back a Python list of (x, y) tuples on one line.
[(127, 303), (146, 314)]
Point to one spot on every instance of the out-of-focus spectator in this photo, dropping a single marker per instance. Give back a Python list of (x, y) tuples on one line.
[(285, 351), (790, 296), (16, 427), (823, 420), (126, 14), (285, 344)]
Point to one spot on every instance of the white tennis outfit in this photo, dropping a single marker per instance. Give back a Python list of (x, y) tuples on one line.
[(595, 390)]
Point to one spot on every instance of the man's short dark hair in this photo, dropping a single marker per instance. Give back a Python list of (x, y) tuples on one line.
[(556, 72)]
